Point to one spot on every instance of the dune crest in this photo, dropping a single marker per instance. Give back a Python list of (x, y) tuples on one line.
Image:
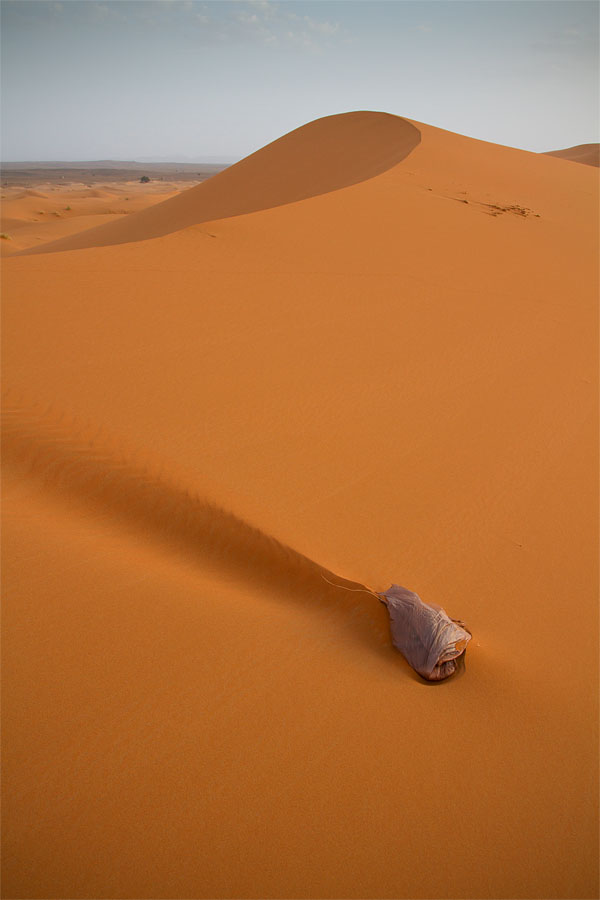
[(323, 156), (588, 154)]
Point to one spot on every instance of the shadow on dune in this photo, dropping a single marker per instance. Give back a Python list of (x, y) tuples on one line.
[(323, 156), (71, 463), (586, 154)]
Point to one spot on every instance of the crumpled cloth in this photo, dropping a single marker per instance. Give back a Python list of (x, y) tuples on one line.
[(428, 639)]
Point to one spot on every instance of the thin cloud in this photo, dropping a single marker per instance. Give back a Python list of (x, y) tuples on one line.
[(567, 39), (266, 22)]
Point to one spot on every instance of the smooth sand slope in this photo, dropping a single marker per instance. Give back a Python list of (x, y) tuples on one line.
[(389, 381), (588, 154)]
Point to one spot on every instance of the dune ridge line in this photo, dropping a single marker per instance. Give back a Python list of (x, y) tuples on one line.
[(320, 157)]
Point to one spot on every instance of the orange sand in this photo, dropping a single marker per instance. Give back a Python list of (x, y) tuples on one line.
[(29, 217), (588, 154), (393, 379)]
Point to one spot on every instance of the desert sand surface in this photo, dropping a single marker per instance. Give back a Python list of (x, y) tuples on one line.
[(43, 211), (379, 367), (588, 154)]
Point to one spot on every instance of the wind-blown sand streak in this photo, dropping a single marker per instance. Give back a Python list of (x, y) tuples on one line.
[(70, 461)]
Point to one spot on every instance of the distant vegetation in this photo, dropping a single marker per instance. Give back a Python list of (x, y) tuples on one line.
[(144, 179)]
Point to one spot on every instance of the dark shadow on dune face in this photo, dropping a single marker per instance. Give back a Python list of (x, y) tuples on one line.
[(587, 154), (323, 156), (89, 474)]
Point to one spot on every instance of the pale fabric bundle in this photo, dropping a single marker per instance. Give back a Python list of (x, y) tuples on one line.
[(429, 640)]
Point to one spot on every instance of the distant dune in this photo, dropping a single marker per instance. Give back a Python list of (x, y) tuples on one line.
[(588, 154), (32, 217), (366, 353)]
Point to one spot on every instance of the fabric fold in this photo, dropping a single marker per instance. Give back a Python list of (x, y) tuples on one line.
[(429, 640)]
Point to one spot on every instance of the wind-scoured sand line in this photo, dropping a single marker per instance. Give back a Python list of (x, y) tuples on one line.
[(75, 465)]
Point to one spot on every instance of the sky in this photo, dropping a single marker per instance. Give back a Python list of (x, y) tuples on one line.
[(214, 81)]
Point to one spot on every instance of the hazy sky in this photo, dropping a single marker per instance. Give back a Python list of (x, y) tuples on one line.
[(124, 79)]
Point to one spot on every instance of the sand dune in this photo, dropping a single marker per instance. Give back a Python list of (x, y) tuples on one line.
[(314, 159), (24, 234), (31, 217), (589, 154), (21, 195), (392, 381)]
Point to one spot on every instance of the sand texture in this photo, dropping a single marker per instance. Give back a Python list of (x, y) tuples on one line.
[(366, 354)]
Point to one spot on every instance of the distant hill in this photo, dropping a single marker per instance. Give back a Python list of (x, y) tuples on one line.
[(190, 160), (99, 171), (588, 154)]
